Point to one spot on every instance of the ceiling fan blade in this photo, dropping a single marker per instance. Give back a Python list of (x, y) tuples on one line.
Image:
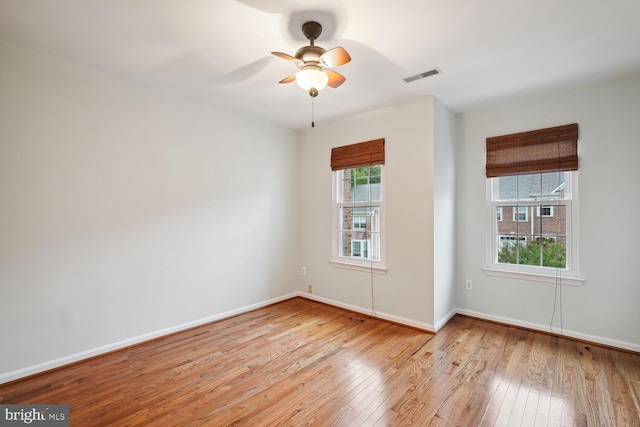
[(285, 56), (335, 57), (288, 79), (335, 79)]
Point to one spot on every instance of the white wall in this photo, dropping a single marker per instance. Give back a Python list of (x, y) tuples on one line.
[(406, 291), (444, 214), (124, 211), (605, 307)]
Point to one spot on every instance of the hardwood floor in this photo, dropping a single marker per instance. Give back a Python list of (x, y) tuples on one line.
[(299, 362)]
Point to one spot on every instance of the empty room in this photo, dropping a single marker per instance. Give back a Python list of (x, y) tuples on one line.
[(328, 213)]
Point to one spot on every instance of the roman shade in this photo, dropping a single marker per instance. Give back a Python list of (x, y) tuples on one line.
[(545, 150), (357, 155)]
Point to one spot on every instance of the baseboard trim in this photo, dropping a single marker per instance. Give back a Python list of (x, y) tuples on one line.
[(385, 316), (77, 357), (622, 345), (440, 324)]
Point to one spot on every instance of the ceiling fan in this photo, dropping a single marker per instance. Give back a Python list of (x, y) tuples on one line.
[(315, 62)]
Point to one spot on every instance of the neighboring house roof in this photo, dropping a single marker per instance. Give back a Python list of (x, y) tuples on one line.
[(367, 192), (522, 187)]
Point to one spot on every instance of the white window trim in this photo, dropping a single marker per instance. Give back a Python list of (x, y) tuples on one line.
[(349, 263), (368, 268), (568, 276), (561, 279)]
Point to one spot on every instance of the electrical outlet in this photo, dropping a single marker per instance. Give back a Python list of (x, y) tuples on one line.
[(310, 289), (468, 284), (303, 271)]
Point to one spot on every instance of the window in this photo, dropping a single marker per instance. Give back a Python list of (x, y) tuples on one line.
[(540, 242), (520, 213), (358, 194), (531, 172), (359, 197), (545, 211), (359, 219), (360, 249)]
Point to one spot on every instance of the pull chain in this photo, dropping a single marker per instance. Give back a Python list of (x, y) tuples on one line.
[(313, 92)]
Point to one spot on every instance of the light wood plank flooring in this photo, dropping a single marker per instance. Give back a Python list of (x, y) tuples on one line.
[(299, 363)]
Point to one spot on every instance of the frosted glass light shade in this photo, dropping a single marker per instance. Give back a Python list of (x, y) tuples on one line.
[(307, 79)]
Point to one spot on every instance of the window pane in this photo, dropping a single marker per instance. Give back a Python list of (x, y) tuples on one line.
[(360, 219), (375, 172), (345, 187), (345, 243), (528, 185), (509, 249), (554, 253), (554, 223), (544, 251), (374, 246), (529, 251), (346, 218), (534, 250), (538, 242), (361, 184), (356, 248), (360, 232), (549, 185)]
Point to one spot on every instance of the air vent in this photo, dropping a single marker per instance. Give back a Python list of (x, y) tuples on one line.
[(426, 74)]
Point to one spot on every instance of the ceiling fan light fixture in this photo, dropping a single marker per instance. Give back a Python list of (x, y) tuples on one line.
[(314, 63), (311, 77)]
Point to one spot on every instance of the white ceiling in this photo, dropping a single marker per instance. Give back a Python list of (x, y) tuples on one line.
[(218, 51)]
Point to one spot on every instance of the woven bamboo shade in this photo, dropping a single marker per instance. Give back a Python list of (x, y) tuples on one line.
[(357, 155), (545, 150)]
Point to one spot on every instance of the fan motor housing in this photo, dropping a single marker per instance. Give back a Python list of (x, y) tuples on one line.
[(310, 53)]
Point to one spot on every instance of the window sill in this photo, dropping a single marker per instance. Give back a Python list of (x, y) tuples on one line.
[(367, 268), (535, 277)]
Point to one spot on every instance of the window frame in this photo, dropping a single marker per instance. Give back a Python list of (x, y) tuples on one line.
[(353, 263), (569, 275)]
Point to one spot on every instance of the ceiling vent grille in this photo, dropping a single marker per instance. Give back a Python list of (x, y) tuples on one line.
[(426, 74)]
